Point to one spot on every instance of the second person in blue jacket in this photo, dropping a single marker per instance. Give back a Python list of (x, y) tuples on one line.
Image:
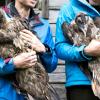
[(77, 84)]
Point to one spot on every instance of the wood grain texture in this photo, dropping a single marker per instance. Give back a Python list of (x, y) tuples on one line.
[(61, 91), (57, 78)]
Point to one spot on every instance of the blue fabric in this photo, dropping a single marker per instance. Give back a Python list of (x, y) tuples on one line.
[(7, 92), (49, 60), (6, 68), (65, 50)]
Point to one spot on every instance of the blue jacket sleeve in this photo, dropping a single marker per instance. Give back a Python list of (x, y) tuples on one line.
[(64, 49), (49, 59), (6, 68)]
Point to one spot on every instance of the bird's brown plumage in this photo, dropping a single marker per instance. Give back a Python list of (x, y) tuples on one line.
[(34, 80), (82, 31)]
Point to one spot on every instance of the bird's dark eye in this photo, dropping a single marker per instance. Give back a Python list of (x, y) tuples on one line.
[(91, 25), (79, 21)]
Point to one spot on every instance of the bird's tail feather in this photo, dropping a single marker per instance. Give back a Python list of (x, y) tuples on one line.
[(53, 93)]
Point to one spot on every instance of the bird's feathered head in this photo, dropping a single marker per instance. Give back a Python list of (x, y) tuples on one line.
[(84, 23)]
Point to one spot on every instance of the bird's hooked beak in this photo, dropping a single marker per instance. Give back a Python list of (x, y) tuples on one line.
[(84, 29)]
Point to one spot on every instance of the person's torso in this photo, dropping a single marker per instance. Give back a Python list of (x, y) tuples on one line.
[(74, 75), (7, 91)]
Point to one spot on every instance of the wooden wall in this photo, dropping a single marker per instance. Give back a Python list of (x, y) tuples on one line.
[(57, 78)]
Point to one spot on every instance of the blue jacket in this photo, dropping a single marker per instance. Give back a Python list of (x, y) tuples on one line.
[(65, 50), (49, 59)]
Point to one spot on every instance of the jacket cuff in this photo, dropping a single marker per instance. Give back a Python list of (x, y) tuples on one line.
[(84, 55), (48, 49), (10, 66)]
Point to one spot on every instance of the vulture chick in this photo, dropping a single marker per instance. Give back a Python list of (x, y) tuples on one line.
[(81, 32), (34, 80)]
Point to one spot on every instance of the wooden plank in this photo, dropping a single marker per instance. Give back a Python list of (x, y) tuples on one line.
[(53, 28), (53, 14), (45, 9), (53, 4), (59, 69), (57, 78), (57, 3), (61, 91), (61, 62), (54, 8)]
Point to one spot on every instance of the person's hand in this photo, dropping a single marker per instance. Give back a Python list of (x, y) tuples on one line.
[(25, 60), (33, 40), (93, 49)]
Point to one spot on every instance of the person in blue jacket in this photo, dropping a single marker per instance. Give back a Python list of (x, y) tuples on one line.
[(44, 45), (78, 84)]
